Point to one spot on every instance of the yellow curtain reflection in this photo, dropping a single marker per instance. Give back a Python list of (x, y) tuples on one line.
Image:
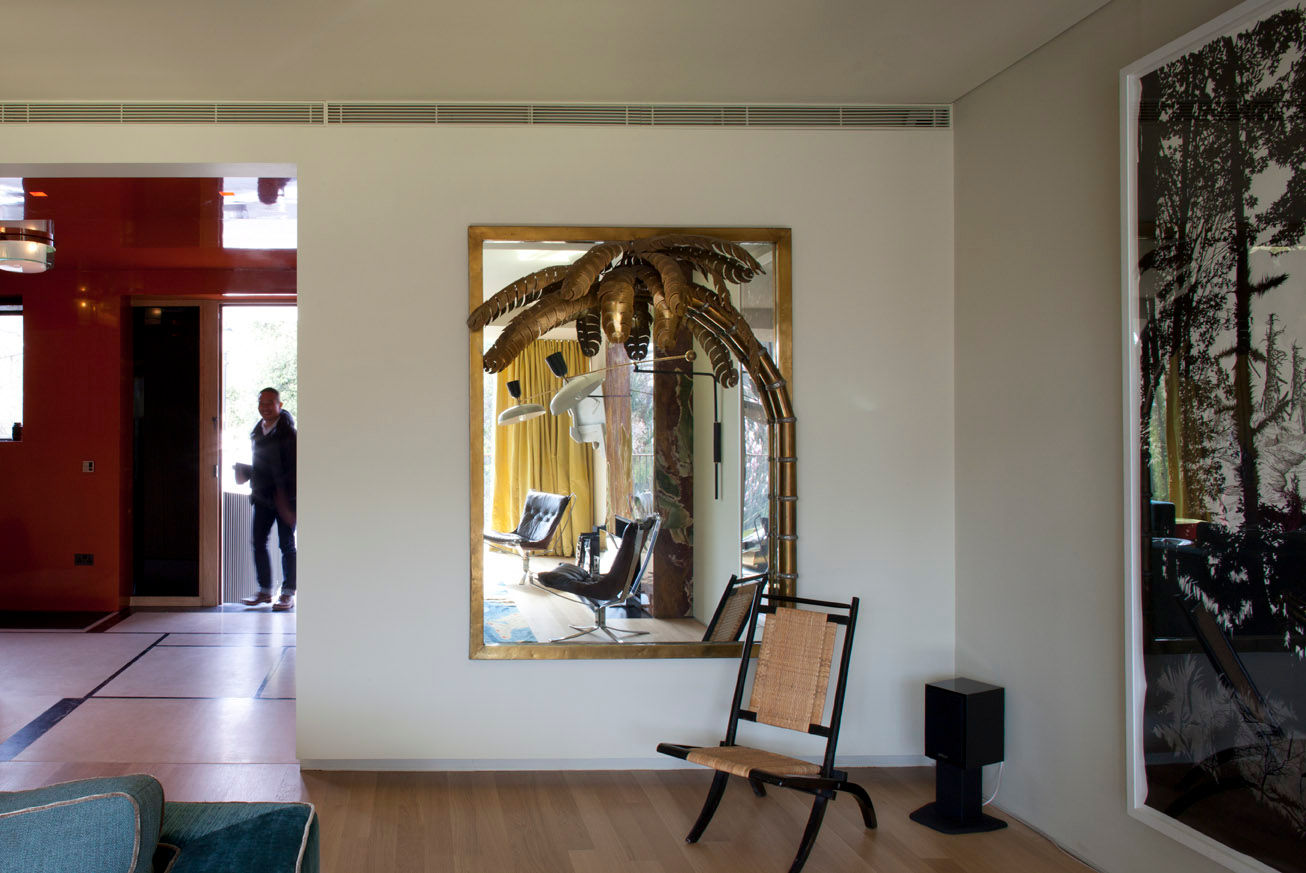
[(540, 454)]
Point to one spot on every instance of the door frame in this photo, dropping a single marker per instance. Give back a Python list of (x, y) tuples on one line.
[(242, 301)]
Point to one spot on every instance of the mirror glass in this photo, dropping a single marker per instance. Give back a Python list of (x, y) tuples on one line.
[(658, 442)]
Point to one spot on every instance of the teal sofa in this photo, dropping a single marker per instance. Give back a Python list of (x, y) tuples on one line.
[(122, 824)]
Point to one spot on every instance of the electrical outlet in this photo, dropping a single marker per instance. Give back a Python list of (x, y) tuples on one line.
[(83, 559), (88, 466)]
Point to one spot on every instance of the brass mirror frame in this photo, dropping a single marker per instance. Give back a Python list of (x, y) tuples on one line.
[(771, 376)]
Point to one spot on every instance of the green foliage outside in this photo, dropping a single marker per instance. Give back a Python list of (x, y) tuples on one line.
[(259, 351)]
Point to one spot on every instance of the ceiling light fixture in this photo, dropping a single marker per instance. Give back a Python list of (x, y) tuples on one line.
[(26, 246), (521, 411)]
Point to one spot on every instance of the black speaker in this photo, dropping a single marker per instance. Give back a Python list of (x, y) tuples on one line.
[(963, 722), (963, 732)]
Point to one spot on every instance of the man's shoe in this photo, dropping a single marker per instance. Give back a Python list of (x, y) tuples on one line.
[(284, 602), (261, 597)]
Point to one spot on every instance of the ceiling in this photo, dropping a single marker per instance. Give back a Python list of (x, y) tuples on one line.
[(147, 224), (665, 51)]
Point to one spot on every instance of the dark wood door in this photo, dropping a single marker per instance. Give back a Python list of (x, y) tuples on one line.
[(166, 451)]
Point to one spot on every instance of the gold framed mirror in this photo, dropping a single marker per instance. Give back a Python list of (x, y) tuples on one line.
[(624, 413)]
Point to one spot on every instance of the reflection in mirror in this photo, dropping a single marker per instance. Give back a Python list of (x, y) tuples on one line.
[(626, 468)]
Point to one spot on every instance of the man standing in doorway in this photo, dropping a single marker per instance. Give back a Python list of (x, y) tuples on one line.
[(272, 492)]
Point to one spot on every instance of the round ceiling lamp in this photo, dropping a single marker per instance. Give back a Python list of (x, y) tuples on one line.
[(520, 412), (26, 246)]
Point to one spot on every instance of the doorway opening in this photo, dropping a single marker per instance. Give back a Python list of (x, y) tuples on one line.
[(259, 345)]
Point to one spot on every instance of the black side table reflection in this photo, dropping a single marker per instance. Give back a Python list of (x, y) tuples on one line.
[(587, 552)]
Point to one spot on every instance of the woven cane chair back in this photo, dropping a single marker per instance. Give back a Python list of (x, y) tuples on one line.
[(793, 669), (734, 608)]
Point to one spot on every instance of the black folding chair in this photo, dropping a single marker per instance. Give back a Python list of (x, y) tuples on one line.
[(790, 686)]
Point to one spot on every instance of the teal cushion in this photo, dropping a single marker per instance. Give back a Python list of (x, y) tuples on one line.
[(248, 837), (92, 824)]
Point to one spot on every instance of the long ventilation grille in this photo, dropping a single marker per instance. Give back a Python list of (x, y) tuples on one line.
[(609, 114), (161, 113)]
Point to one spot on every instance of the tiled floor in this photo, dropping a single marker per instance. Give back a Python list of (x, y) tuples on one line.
[(183, 686)]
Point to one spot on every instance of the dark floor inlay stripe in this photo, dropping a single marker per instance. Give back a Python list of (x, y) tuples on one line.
[(120, 670), (264, 684), (37, 727)]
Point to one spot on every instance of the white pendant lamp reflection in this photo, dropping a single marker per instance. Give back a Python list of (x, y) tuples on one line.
[(576, 390), (521, 411), (26, 245), (587, 418)]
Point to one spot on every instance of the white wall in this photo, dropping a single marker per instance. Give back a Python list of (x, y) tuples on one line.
[(716, 521), (1040, 552), (383, 673)]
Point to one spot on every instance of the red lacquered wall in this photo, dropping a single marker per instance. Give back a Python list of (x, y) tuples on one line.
[(115, 239)]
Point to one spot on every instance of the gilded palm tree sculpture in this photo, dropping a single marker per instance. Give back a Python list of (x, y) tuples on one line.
[(637, 290)]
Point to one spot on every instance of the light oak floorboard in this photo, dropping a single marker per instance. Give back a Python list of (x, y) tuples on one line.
[(586, 822)]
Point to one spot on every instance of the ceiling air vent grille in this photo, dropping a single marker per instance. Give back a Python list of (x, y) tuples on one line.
[(269, 113), (68, 113), (579, 113), (484, 113), (793, 116), (382, 113), (161, 113), (895, 116), (700, 116), (424, 113), (167, 113)]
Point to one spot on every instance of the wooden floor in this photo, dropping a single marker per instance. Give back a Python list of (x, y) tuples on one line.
[(161, 690), (588, 822), (551, 616)]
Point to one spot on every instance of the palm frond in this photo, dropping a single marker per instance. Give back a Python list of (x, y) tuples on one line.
[(587, 332), (586, 269), (532, 324), (723, 367), (693, 241), (710, 263), (525, 290), (641, 329), (675, 297), (617, 303)]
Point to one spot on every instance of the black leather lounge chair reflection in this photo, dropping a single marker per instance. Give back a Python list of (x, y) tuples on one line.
[(612, 588), (541, 516)]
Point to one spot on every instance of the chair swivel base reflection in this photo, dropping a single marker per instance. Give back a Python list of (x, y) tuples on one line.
[(526, 577), (600, 618), (610, 631)]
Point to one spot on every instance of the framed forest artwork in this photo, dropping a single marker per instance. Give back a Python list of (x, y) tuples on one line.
[(1214, 150)]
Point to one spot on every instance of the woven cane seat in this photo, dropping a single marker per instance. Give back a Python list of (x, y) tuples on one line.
[(742, 761)]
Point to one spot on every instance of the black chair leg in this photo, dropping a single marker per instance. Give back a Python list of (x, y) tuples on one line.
[(809, 835), (758, 788), (863, 800), (709, 806)]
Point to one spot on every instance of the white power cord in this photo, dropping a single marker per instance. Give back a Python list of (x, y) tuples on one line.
[(996, 785)]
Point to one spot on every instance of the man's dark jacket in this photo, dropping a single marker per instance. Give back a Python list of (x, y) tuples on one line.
[(274, 462)]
